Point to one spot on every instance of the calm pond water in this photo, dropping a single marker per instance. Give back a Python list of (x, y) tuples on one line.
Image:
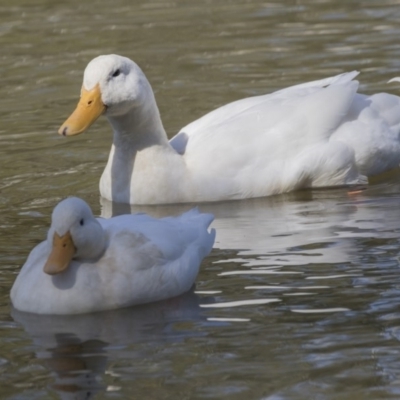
[(300, 297)]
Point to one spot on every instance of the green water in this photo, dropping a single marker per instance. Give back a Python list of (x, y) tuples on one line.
[(318, 315)]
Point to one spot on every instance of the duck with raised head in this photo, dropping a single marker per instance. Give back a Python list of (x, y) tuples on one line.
[(316, 134), (91, 264)]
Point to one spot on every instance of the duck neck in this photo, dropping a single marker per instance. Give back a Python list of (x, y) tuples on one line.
[(139, 143), (138, 130)]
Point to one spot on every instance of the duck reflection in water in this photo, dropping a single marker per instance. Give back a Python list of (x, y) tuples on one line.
[(265, 227), (83, 350), (78, 366)]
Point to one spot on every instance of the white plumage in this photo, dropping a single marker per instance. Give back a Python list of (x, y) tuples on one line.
[(118, 262), (317, 134)]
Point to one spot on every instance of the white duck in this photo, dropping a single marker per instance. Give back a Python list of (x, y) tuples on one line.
[(316, 134), (88, 264)]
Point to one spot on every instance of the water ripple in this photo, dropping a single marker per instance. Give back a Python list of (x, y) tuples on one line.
[(239, 303)]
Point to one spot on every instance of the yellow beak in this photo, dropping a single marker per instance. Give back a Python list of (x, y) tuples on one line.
[(61, 254), (89, 108)]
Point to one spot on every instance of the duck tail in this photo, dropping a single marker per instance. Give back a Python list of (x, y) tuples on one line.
[(203, 220)]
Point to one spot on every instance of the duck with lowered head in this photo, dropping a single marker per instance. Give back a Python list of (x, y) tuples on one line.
[(91, 264)]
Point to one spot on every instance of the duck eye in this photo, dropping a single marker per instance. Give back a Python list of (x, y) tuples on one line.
[(116, 73), (81, 221)]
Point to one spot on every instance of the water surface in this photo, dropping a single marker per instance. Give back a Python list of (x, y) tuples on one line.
[(299, 298)]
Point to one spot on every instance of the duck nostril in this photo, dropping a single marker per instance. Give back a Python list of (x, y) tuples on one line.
[(90, 102)]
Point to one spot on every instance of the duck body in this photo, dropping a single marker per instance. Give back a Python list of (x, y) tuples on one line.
[(317, 134), (141, 260)]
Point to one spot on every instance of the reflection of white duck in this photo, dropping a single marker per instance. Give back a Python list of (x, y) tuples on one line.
[(79, 348), (88, 264), (304, 227), (316, 134)]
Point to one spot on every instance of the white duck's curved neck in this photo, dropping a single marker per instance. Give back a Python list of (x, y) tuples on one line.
[(139, 143), (139, 129)]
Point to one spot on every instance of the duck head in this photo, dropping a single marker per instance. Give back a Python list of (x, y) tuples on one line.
[(112, 85), (74, 234)]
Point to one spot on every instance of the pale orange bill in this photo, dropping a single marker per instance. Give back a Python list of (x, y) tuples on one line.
[(61, 254), (89, 108)]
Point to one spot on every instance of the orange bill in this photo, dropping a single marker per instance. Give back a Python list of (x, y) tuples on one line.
[(89, 108), (61, 254)]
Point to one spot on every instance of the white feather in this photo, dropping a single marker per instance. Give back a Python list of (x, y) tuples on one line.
[(143, 259), (316, 134)]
